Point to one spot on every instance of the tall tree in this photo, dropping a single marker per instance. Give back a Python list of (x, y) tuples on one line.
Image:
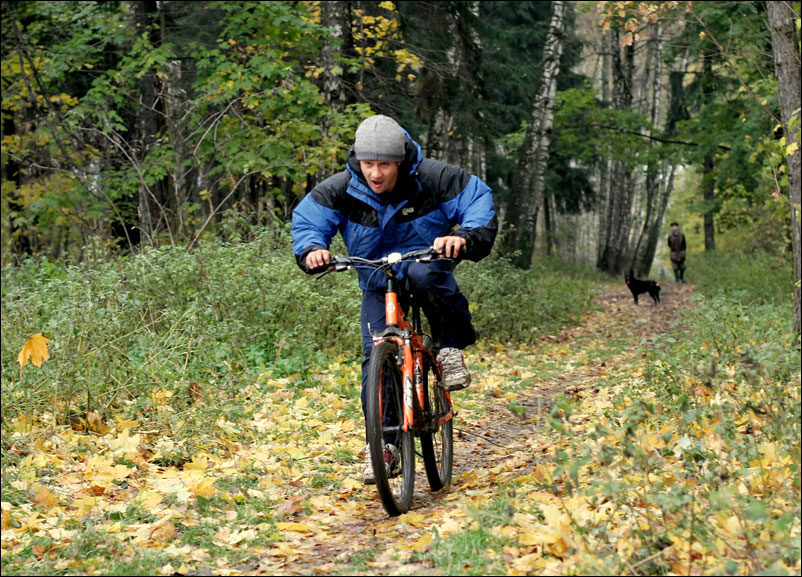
[(784, 21), (614, 251), (530, 178), (708, 162), (659, 177), (660, 173), (150, 122)]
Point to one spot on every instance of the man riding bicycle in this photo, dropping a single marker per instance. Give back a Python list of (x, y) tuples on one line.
[(390, 199)]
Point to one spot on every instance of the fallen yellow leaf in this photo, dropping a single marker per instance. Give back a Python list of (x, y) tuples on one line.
[(45, 497), (423, 543), (164, 533), (542, 536), (35, 348), (294, 527), (198, 463), (123, 424), (5, 525), (125, 444), (412, 518), (352, 484), (203, 488)]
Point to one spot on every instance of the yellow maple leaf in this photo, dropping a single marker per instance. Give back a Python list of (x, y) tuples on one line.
[(5, 522), (203, 487), (294, 527), (36, 349), (423, 543), (412, 518), (199, 463), (125, 444), (45, 497), (164, 532), (122, 423)]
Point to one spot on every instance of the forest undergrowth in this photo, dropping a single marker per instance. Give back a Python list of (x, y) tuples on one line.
[(649, 439)]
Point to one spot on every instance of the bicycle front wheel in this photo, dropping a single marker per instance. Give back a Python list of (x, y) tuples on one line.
[(394, 471), (437, 446)]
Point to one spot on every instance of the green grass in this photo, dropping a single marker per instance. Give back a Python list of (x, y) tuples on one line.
[(749, 279), (728, 371), (222, 317), (466, 552)]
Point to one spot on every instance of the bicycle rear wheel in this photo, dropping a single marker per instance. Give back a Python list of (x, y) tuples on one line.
[(384, 418), (437, 447)]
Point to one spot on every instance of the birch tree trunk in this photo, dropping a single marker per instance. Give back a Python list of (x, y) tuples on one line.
[(530, 179), (615, 253), (708, 164), (336, 16), (442, 143), (659, 176), (785, 45), (605, 166)]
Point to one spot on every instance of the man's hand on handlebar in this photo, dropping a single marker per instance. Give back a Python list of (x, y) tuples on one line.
[(318, 259), (449, 246)]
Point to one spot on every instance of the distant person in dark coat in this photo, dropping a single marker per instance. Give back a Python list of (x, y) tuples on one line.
[(676, 243)]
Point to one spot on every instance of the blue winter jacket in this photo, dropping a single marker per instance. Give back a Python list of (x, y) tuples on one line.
[(431, 199)]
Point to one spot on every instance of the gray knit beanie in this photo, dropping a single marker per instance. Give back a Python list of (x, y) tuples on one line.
[(380, 138)]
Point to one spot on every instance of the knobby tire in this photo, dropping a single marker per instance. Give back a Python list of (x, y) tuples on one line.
[(438, 447), (384, 395)]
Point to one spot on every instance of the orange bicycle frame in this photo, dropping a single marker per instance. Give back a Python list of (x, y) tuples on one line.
[(412, 356)]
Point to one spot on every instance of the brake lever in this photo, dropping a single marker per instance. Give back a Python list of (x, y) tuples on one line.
[(324, 273), (336, 265)]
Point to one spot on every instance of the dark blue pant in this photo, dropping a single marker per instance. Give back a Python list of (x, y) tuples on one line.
[(436, 291)]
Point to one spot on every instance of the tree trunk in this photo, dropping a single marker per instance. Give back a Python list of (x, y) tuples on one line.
[(605, 166), (530, 179), (785, 45), (708, 164), (150, 122), (676, 112), (660, 177), (175, 107), (336, 16), (616, 253), (450, 139), (709, 191), (548, 220), (11, 173)]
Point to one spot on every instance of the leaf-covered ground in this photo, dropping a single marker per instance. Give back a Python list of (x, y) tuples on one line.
[(269, 481)]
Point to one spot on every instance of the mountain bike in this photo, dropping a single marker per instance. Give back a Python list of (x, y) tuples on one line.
[(404, 399)]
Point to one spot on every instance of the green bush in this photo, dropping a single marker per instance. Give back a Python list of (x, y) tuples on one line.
[(510, 304), (755, 278), (165, 318), (221, 315)]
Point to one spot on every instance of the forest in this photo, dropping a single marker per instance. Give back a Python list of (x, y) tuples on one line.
[(177, 396)]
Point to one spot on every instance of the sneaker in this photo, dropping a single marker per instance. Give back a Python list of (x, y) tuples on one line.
[(455, 374), (390, 463)]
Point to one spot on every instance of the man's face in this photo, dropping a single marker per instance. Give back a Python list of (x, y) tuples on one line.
[(380, 174), (674, 228)]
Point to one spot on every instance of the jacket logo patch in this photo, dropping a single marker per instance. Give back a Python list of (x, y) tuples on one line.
[(407, 211)]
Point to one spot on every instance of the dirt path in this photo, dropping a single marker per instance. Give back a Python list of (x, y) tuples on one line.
[(496, 441)]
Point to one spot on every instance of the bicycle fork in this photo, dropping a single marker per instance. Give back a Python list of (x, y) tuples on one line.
[(410, 360)]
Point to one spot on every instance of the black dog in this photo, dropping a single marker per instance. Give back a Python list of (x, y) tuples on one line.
[(642, 286)]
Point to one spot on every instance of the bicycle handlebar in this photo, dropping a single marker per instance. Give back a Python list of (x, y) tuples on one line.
[(343, 263)]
